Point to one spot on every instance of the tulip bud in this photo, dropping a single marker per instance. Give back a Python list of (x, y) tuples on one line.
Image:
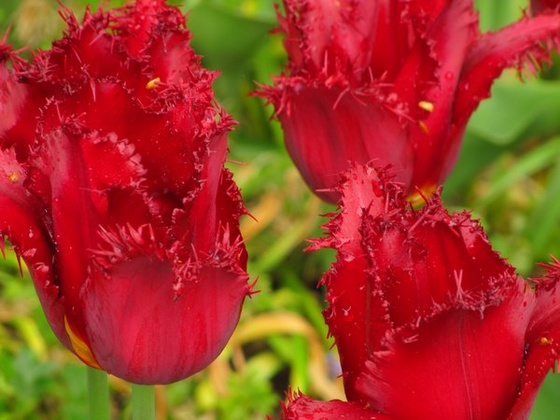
[(113, 191)]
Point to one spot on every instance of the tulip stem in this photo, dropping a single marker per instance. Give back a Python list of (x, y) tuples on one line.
[(98, 389), (143, 402)]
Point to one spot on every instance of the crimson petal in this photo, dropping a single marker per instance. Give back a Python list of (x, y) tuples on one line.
[(526, 42), (462, 363), (301, 407)]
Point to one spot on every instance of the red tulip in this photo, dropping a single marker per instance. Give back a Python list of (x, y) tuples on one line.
[(390, 82), (429, 321), (113, 191)]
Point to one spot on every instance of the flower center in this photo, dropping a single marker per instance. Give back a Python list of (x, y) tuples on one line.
[(421, 196)]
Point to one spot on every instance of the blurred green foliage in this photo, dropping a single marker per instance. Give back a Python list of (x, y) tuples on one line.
[(508, 173)]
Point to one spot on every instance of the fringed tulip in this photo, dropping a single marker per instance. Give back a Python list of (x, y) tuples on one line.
[(113, 191), (429, 321), (390, 82)]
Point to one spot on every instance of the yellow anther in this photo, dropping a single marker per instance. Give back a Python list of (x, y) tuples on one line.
[(152, 84), (543, 341), (420, 197), (423, 127), (13, 177), (80, 347), (426, 106)]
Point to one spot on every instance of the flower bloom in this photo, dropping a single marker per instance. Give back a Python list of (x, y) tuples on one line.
[(113, 191), (429, 321), (390, 82)]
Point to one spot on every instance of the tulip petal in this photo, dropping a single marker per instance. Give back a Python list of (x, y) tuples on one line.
[(350, 297), (14, 104), (460, 364), (325, 39), (301, 407), (184, 88), (543, 340), (430, 76), (141, 331), (525, 42), (540, 6), (30, 239), (332, 115), (80, 168)]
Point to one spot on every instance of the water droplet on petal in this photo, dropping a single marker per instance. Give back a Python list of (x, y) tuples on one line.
[(30, 253), (347, 314)]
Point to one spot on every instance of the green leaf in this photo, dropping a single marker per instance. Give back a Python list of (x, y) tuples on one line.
[(532, 162), (516, 110), (225, 39)]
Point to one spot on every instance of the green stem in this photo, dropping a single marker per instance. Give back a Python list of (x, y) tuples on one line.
[(98, 389), (143, 402)]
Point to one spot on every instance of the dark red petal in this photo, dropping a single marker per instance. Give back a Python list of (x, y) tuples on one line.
[(543, 340), (326, 128), (81, 167), (430, 257), (434, 61), (20, 222), (522, 43), (140, 330), (390, 36), (460, 364), (137, 24), (12, 96), (111, 162), (150, 96), (436, 72), (328, 41), (540, 6), (428, 9), (15, 107), (218, 239), (357, 315), (301, 407)]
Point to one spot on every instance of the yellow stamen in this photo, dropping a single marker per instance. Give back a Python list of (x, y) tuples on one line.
[(419, 198), (543, 341), (13, 177), (152, 84), (80, 347), (426, 106), (423, 127)]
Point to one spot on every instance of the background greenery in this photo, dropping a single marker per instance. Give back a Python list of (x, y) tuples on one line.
[(508, 173)]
